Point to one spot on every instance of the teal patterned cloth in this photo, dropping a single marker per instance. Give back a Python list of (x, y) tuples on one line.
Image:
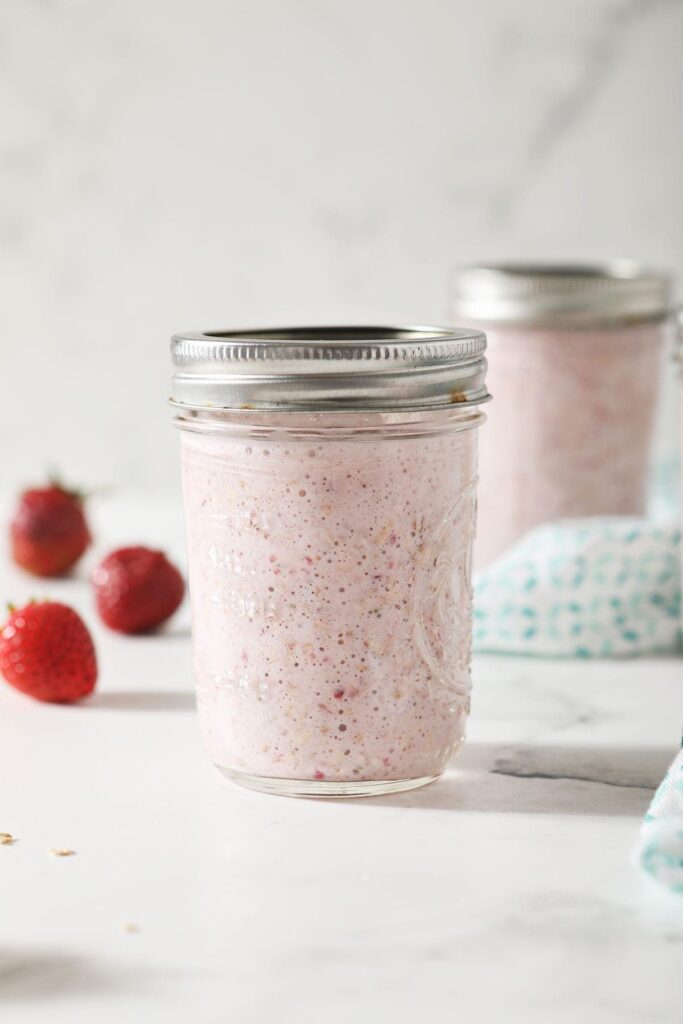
[(661, 849), (583, 588)]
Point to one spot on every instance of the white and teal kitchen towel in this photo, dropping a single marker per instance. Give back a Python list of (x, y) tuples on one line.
[(661, 848), (583, 588)]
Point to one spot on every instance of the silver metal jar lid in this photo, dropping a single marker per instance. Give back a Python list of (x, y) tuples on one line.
[(560, 295), (329, 368)]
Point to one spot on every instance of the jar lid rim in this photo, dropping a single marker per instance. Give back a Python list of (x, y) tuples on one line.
[(369, 367), (333, 334), (560, 294)]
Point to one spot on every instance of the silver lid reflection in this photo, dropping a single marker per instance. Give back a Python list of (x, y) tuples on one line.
[(329, 368), (559, 295)]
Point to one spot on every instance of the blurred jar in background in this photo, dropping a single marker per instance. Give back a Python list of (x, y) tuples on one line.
[(574, 366)]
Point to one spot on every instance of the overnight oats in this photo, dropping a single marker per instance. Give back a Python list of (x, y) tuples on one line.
[(329, 482), (575, 363)]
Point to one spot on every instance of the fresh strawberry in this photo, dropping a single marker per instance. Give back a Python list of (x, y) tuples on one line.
[(137, 589), (49, 532), (47, 652)]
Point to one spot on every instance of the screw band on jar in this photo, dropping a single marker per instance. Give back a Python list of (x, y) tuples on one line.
[(560, 295), (329, 369)]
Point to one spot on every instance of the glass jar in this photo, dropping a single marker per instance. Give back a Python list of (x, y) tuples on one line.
[(329, 485), (575, 362)]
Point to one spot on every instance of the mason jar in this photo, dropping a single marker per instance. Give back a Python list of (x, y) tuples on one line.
[(329, 482), (575, 358)]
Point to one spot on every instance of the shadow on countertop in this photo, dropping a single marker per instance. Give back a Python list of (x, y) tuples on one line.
[(43, 975), (48, 974), (607, 781)]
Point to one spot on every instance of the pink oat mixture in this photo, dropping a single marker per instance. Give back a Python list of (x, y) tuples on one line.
[(569, 431), (331, 601)]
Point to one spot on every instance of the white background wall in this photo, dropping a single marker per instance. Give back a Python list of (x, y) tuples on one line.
[(168, 164)]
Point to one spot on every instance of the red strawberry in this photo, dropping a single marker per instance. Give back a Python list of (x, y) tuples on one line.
[(49, 532), (47, 652), (137, 589)]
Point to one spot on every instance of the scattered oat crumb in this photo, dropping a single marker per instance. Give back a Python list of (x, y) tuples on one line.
[(61, 851), (7, 839), (130, 928)]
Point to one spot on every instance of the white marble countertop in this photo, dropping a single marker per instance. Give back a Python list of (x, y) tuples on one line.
[(505, 892)]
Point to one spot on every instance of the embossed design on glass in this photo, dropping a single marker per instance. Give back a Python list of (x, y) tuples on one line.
[(443, 602)]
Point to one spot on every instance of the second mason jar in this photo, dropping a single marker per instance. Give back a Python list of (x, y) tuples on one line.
[(329, 483), (575, 361)]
